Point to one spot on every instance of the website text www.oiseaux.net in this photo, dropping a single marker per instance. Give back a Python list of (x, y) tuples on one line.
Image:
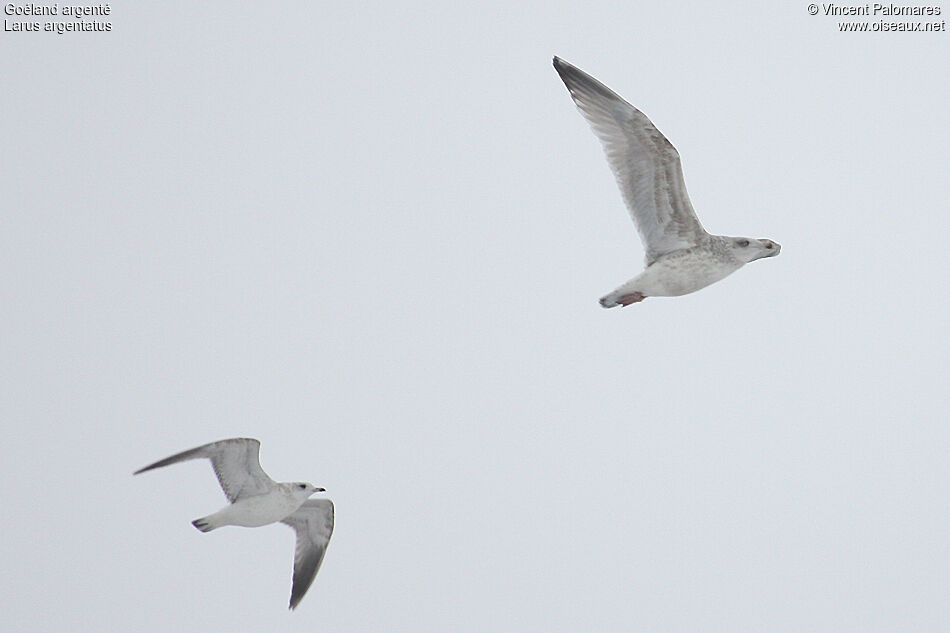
[(893, 27), (891, 18)]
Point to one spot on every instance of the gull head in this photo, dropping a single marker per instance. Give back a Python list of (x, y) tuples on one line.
[(303, 490), (747, 249)]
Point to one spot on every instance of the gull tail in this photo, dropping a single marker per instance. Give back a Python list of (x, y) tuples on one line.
[(205, 524)]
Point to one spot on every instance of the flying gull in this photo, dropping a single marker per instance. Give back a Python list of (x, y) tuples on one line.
[(257, 500), (681, 257)]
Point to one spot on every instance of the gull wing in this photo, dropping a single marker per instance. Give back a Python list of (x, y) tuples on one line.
[(313, 522), (645, 164), (236, 463)]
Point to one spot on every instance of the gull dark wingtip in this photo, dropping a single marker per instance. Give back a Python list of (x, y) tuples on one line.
[(145, 468), (561, 66)]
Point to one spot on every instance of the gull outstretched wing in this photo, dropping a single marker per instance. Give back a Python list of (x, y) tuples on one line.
[(645, 164), (236, 463), (313, 523)]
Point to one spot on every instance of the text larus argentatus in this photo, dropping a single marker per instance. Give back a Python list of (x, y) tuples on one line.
[(681, 257), (257, 500)]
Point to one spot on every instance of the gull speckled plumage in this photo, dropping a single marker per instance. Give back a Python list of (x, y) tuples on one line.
[(681, 257)]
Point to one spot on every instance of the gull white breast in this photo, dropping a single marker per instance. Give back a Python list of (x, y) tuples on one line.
[(681, 257), (257, 500)]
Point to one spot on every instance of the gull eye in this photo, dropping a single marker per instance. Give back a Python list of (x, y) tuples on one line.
[(302, 486), (769, 245), (743, 243)]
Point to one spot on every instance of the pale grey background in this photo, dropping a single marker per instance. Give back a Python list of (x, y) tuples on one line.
[(373, 235)]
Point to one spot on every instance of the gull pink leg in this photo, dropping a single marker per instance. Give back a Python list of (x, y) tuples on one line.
[(633, 297)]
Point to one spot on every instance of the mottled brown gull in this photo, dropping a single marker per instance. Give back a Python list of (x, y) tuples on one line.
[(681, 257)]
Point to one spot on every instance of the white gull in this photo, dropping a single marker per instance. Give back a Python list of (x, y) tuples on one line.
[(681, 257), (257, 500)]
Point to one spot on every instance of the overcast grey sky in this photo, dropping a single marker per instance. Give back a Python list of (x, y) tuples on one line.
[(373, 235)]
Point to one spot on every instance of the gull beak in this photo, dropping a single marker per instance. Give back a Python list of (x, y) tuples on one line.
[(771, 248), (320, 489)]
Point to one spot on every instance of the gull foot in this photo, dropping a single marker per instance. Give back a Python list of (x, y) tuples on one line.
[(613, 300), (633, 297)]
